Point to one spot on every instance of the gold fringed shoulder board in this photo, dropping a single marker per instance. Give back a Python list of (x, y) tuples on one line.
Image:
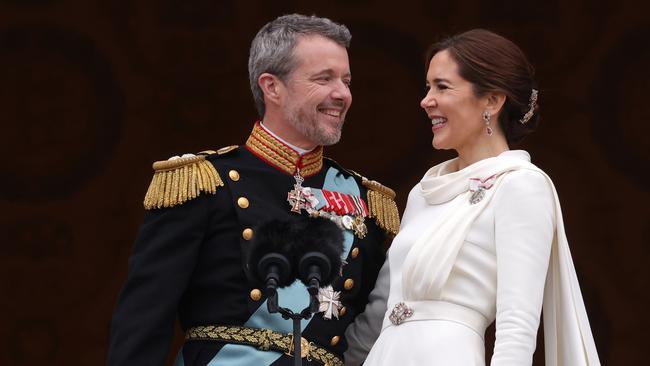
[(381, 205), (180, 179)]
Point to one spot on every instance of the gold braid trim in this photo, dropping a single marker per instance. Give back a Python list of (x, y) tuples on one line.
[(381, 205), (178, 181), (279, 155), (264, 340), (278, 147), (312, 162), (272, 156)]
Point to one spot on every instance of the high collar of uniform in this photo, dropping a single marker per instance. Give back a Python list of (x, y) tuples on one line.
[(279, 155)]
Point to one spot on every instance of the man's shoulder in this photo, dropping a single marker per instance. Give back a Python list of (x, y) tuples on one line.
[(368, 183), (182, 178), (381, 199), (230, 152)]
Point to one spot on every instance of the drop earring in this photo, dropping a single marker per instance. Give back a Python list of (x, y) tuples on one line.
[(486, 118)]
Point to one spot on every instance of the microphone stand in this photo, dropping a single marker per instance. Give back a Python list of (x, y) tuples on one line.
[(306, 313), (313, 266)]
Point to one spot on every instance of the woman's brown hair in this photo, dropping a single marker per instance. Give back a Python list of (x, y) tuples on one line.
[(493, 63)]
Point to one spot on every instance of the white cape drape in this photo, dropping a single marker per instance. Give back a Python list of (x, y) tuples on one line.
[(567, 336)]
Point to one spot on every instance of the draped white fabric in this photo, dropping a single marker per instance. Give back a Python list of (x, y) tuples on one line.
[(568, 337)]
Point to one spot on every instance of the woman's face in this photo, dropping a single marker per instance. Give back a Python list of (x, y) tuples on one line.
[(455, 112)]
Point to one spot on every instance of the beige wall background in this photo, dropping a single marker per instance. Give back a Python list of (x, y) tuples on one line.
[(92, 92)]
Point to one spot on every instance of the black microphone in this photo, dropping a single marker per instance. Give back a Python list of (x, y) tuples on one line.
[(270, 256), (313, 267), (319, 256), (277, 268), (272, 237)]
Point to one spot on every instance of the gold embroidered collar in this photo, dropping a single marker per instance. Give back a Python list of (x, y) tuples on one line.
[(279, 155)]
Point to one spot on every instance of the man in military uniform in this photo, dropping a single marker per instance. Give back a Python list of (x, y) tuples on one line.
[(203, 210)]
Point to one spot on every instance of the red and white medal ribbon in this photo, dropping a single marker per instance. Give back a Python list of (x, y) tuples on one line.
[(344, 204)]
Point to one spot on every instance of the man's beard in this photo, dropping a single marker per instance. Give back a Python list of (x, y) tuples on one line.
[(307, 124)]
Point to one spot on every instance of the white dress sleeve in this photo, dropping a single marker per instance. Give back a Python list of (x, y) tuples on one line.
[(361, 334), (524, 224)]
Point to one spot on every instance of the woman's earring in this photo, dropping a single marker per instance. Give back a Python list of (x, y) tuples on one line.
[(486, 118)]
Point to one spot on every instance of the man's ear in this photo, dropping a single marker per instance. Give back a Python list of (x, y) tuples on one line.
[(495, 101), (271, 86)]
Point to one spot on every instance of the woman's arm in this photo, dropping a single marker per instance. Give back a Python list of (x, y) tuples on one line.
[(524, 229), (361, 334)]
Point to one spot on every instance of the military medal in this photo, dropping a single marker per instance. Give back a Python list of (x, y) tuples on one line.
[(359, 227), (347, 211), (296, 197), (477, 195), (478, 186), (348, 222), (329, 302), (352, 210)]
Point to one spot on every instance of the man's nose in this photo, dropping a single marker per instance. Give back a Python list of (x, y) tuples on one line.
[(341, 91)]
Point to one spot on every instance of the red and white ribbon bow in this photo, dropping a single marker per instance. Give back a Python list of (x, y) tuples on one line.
[(477, 183)]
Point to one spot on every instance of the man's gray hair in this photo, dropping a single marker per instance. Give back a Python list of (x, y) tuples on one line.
[(272, 48)]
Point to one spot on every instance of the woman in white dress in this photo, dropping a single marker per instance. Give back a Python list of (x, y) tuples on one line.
[(482, 237)]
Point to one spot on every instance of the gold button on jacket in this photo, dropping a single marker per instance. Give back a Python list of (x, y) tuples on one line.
[(343, 311), (335, 340), (247, 234), (348, 284), (256, 294), (355, 253), (242, 202), (234, 175)]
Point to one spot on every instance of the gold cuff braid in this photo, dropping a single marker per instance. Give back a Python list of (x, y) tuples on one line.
[(263, 339), (178, 181)]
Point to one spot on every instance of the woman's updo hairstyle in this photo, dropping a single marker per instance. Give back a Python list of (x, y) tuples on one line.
[(492, 63)]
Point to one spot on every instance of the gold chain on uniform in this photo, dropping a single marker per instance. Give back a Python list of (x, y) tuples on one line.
[(263, 339)]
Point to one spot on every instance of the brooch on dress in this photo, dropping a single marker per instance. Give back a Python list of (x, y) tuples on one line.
[(400, 313)]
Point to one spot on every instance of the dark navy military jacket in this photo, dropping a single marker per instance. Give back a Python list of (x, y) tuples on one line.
[(188, 262)]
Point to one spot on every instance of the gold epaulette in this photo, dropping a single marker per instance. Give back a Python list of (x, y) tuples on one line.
[(179, 180), (381, 205)]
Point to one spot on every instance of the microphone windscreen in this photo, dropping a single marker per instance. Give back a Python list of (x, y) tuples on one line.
[(323, 236), (273, 236), (293, 238)]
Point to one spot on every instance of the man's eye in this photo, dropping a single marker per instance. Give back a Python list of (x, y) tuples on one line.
[(442, 87)]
